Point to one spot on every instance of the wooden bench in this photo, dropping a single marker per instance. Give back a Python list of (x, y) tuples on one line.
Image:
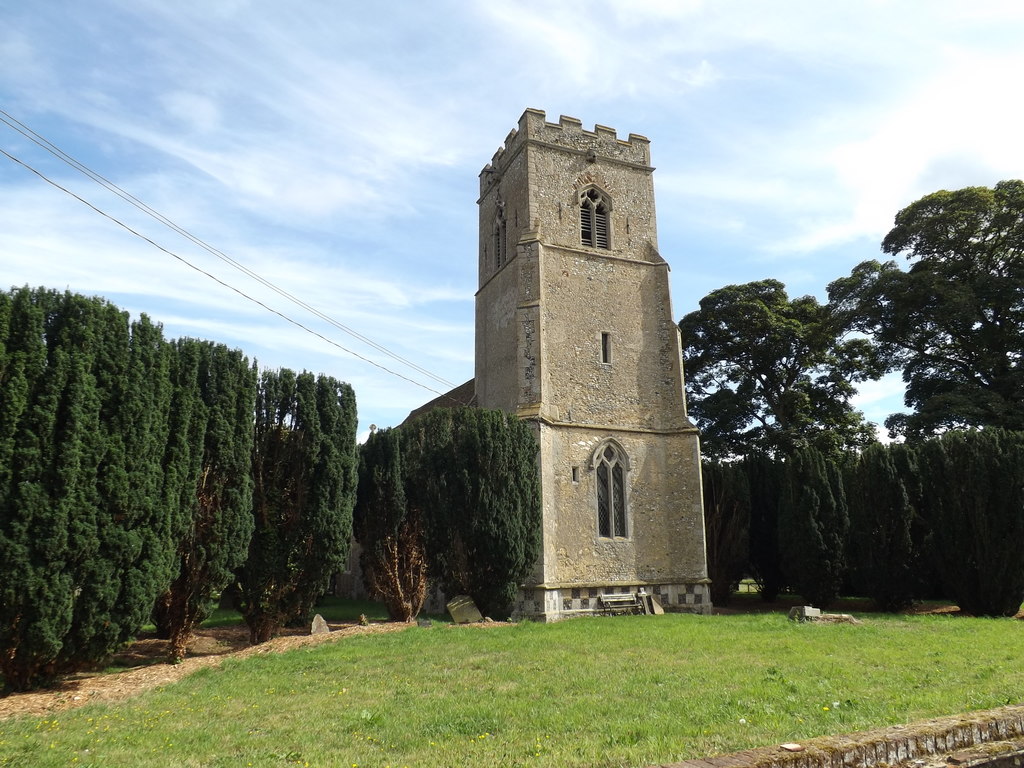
[(620, 603)]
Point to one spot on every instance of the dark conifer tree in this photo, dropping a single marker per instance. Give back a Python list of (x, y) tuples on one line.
[(305, 471), (393, 557), (212, 414), (473, 476), (974, 502), (813, 527), (136, 523), (764, 479), (86, 534), (726, 525), (36, 590), (885, 559)]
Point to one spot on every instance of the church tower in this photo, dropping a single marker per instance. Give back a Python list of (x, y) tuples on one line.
[(575, 334)]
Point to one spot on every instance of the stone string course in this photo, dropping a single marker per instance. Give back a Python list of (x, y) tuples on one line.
[(990, 738)]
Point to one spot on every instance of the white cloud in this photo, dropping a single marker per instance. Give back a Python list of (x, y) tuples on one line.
[(334, 148)]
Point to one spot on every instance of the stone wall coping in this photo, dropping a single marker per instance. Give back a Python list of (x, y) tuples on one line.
[(890, 746)]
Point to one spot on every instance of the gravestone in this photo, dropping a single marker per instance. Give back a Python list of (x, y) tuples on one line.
[(804, 613), (319, 626), (463, 610)]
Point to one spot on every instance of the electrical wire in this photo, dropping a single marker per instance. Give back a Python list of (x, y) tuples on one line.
[(64, 157), (216, 279)]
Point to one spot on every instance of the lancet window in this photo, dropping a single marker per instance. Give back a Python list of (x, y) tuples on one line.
[(611, 469)]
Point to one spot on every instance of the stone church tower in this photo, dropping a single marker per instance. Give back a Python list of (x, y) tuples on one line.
[(575, 334)]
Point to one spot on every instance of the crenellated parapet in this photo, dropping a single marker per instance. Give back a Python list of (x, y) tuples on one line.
[(568, 134)]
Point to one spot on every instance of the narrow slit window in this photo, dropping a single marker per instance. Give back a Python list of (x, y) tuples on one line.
[(499, 243), (606, 347)]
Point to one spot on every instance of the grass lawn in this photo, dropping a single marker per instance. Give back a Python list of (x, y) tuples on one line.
[(617, 691)]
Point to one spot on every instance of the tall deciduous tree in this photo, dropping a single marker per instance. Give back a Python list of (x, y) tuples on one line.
[(472, 475), (726, 525), (305, 472), (813, 525), (212, 430), (86, 527), (771, 373), (974, 503), (954, 322), (390, 532)]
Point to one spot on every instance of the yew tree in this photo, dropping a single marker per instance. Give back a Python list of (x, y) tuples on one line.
[(472, 477), (212, 433), (390, 532), (305, 470), (813, 525), (973, 501), (764, 479), (726, 526), (886, 549), (87, 527)]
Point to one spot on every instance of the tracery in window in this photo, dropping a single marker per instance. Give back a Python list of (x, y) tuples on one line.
[(594, 209), (612, 469)]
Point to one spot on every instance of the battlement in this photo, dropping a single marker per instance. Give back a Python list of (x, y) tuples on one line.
[(569, 133)]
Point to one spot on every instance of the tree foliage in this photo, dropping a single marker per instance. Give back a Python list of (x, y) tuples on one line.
[(212, 430), (771, 373), (886, 558), (813, 525), (393, 557), (726, 526), (86, 523), (764, 479), (472, 477), (975, 507), (305, 472), (954, 321)]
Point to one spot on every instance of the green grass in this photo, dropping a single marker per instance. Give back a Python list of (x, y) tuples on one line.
[(331, 608), (621, 691)]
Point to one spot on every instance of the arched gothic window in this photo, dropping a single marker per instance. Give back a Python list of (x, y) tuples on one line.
[(594, 209), (611, 467)]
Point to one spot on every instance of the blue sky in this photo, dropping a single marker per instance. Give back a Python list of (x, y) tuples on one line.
[(333, 148)]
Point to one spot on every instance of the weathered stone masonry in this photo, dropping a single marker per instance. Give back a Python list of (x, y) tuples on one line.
[(575, 333)]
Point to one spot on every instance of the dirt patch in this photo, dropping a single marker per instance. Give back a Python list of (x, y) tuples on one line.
[(146, 666)]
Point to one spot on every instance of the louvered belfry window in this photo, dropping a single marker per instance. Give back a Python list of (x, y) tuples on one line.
[(594, 219), (611, 494)]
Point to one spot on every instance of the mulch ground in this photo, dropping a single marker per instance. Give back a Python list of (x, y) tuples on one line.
[(145, 660)]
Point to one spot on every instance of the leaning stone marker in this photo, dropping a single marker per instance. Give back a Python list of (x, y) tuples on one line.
[(803, 613), (463, 610), (319, 626), (656, 608), (807, 613)]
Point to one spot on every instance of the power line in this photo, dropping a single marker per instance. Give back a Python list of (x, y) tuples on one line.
[(216, 279), (64, 157)]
